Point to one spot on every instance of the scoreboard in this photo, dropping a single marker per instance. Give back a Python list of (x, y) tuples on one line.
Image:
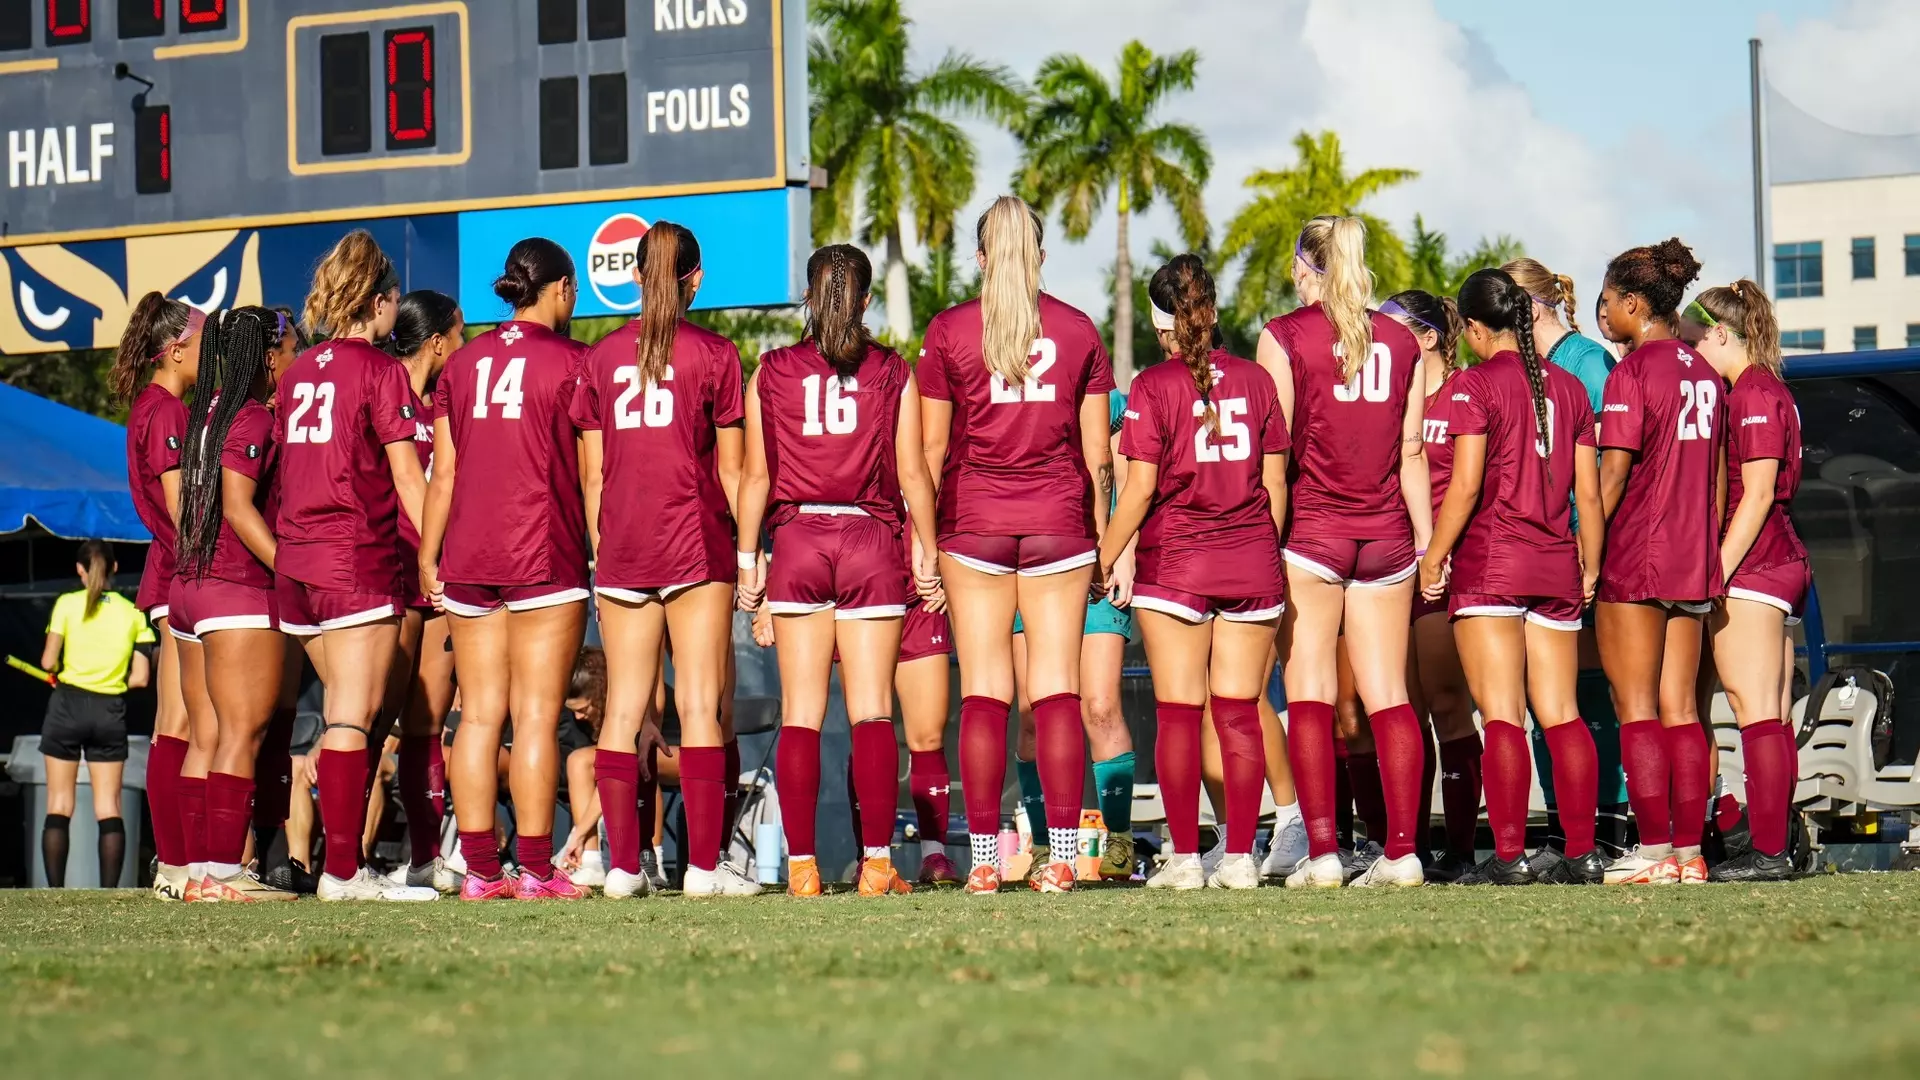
[(129, 118)]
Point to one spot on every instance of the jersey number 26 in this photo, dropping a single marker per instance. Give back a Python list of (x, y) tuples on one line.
[(656, 407)]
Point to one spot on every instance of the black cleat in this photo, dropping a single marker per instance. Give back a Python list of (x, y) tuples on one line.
[(1588, 869), (292, 877), (1736, 841), (1753, 866), (1544, 860), (1497, 871), (1448, 869)]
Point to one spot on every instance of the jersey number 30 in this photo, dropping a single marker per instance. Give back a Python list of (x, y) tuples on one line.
[(315, 399), (1372, 381)]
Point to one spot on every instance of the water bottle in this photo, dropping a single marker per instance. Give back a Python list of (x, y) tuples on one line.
[(766, 852)]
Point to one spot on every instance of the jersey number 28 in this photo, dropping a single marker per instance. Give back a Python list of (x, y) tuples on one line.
[(318, 400), (1696, 409)]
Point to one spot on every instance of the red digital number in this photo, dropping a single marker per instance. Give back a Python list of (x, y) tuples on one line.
[(410, 121), (203, 14), (69, 21)]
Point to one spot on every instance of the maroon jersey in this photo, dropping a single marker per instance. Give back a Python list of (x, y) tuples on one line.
[(423, 417), (1437, 432), (1664, 403), (1345, 470), (829, 439), (250, 450), (1519, 541), (1763, 422), (664, 518), (1210, 528), (340, 404), (517, 516), (156, 430), (1014, 465)]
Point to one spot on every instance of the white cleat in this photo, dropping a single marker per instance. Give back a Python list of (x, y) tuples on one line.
[(1212, 859), (169, 882), (592, 873), (620, 885), (1236, 872), (1180, 872), (1285, 851), (435, 875), (725, 881), (1324, 872), (1403, 872), (364, 886)]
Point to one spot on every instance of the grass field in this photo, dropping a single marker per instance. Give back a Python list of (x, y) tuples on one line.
[(1815, 978)]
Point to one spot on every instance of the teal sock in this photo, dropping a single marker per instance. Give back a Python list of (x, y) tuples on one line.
[(1030, 798), (1113, 779), (1596, 708)]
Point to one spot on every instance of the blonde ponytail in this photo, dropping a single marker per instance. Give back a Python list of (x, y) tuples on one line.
[(1009, 236), (1553, 290), (1336, 247)]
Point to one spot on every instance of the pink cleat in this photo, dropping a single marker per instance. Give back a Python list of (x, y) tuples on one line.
[(937, 869), (557, 887), (475, 887)]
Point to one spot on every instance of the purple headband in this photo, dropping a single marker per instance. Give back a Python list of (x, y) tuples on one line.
[(195, 320), (1393, 308), (279, 325), (1300, 253)]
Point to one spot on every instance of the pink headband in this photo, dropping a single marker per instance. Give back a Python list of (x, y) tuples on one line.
[(195, 320)]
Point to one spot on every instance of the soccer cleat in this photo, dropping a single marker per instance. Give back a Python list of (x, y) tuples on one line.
[(1179, 872), (1116, 858), (1638, 868), (1736, 841), (650, 868), (1588, 869), (1055, 877), (1403, 872), (937, 869), (1285, 850), (191, 894), (1543, 861), (169, 882), (292, 877), (1448, 869), (558, 886), (722, 881), (983, 880), (1038, 856), (365, 886), (1493, 870), (242, 888), (1322, 872), (435, 875), (1363, 857), (803, 877), (1214, 856), (621, 885), (592, 872), (475, 887), (1236, 872), (879, 878), (1693, 871), (1753, 866)]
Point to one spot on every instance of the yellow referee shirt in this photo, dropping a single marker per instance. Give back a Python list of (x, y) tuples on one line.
[(98, 648)]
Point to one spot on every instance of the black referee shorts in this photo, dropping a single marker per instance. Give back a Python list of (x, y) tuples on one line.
[(83, 723)]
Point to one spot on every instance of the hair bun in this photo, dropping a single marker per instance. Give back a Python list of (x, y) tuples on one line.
[(1676, 261), (514, 287)]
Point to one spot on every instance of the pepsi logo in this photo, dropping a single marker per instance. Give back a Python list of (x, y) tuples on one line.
[(610, 261)]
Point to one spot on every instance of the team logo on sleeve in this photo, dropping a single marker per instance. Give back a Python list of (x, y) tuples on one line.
[(611, 257), (406, 412), (173, 442), (253, 451)]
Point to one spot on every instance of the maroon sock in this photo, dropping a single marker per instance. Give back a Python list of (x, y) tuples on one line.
[(1460, 792), (1506, 768), (1576, 783), (437, 776), (703, 770), (796, 773), (273, 774), (616, 775), (164, 759), (1310, 750), (983, 761), (229, 812), (1401, 746), (876, 779), (342, 776), (1176, 765), (1243, 767), (1643, 753), (1793, 763), (193, 818), (482, 854), (1342, 795), (416, 798), (535, 854), (1060, 752), (1764, 748), (1692, 777), (1369, 797), (730, 785), (927, 773), (1726, 813), (1429, 770)]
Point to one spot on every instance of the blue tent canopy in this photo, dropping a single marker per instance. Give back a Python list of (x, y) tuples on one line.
[(65, 470)]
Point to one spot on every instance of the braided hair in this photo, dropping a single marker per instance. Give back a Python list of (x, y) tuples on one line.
[(234, 347), (1494, 300), (1185, 289), (838, 278)]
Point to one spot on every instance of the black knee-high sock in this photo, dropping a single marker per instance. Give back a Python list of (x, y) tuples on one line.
[(54, 839), (113, 851)]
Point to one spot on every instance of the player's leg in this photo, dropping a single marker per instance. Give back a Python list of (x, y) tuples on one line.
[(1102, 654), (171, 733), (1553, 691), (1493, 656), (1177, 653), (1236, 682), (1361, 765), (1053, 607), (869, 651), (1747, 636), (1443, 685), (1632, 639), (543, 643), (1309, 643), (1288, 845), (631, 633), (357, 662), (422, 769), (1689, 752), (803, 646), (244, 671), (273, 765), (700, 625), (981, 607), (1026, 758), (1381, 616), (203, 734), (483, 659)]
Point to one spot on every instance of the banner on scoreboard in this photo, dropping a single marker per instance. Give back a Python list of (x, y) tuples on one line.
[(753, 247)]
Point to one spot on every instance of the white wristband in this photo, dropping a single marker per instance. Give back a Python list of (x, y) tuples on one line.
[(746, 560)]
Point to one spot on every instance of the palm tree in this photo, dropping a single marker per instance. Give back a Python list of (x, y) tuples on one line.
[(1265, 229), (886, 137), (1086, 138), (1434, 268)]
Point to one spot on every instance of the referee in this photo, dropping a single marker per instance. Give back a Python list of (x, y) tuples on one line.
[(90, 645)]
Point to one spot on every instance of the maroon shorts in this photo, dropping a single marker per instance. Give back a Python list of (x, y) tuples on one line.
[(156, 587), (1195, 608), (474, 601), (1423, 607), (1783, 586), (305, 611), (839, 558), (1552, 612), (924, 634), (1029, 556), (205, 605), (1355, 563)]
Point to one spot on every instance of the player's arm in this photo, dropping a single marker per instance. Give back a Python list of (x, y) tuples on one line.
[(170, 488), (1463, 494), (1615, 465), (1593, 520), (916, 483), (139, 670), (730, 448), (1095, 431), (592, 452), (1121, 575), (439, 502), (1416, 485), (1143, 477), (409, 481), (1272, 358), (50, 653), (750, 503), (1273, 477), (936, 430), (237, 490), (1756, 498)]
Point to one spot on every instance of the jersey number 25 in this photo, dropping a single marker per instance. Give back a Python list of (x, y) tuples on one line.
[(1239, 444)]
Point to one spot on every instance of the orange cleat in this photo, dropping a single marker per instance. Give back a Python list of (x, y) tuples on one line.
[(1693, 871), (1055, 877), (192, 892), (983, 880), (879, 878), (242, 888), (1638, 868), (803, 878)]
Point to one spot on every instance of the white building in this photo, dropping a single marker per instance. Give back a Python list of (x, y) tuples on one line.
[(1846, 263)]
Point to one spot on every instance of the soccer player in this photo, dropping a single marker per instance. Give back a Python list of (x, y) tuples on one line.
[(660, 414), (1662, 434), (1434, 677), (427, 330), (1763, 560), (505, 539), (833, 442), (1361, 513), (1014, 405), (157, 363), (347, 472), (225, 595), (921, 682), (1505, 557), (1206, 446)]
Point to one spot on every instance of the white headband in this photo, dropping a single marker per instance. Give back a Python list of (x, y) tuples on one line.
[(1162, 320)]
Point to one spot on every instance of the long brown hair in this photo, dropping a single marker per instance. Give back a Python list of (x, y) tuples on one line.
[(1743, 308), (1336, 247), (1009, 235), (155, 323), (838, 277), (668, 255), (345, 284), (96, 568), (1549, 288), (1184, 289)]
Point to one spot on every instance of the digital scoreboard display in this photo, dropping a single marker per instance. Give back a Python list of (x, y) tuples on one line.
[(138, 117)]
